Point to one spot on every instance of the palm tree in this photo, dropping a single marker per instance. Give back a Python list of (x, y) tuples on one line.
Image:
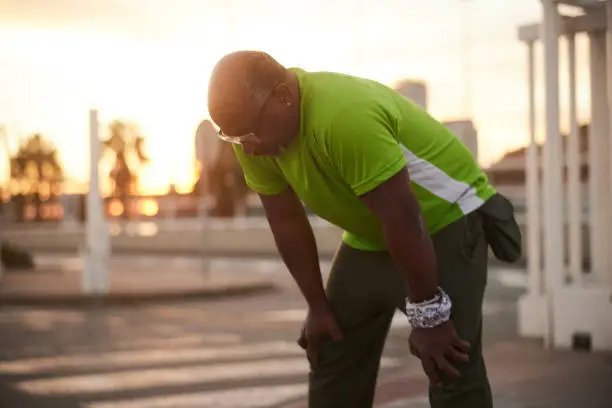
[(37, 170), (126, 146)]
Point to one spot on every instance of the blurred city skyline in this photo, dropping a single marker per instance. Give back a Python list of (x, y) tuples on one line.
[(148, 62)]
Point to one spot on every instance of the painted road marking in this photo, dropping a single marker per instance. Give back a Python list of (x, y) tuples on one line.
[(118, 359), (253, 397), (162, 377)]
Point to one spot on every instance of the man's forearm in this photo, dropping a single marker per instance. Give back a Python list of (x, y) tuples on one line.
[(297, 246), (412, 250), (415, 258)]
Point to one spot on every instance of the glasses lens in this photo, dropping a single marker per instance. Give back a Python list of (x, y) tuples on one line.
[(230, 139)]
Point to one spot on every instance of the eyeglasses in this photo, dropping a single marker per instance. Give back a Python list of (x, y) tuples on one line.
[(249, 137)]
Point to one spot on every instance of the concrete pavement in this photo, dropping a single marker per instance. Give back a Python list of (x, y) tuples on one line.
[(61, 285), (206, 354), (240, 352)]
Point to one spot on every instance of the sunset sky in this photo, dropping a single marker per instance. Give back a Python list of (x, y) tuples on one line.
[(148, 61)]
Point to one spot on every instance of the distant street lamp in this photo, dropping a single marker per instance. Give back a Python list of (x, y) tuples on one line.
[(466, 48)]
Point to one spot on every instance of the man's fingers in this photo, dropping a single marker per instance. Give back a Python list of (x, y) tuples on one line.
[(311, 353), (457, 355), (446, 367), (430, 370), (414, 351), (302, 342), (336, 334), (461, 345)]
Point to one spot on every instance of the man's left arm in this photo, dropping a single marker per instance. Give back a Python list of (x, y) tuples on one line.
[(368, 157)]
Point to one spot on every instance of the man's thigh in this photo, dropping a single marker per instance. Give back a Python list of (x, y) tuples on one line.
[(462, 256), (362, 290)]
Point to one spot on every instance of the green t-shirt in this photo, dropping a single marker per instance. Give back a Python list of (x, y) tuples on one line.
[(355, 134)]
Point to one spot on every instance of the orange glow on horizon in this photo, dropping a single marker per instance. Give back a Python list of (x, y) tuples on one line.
[(149, 63)]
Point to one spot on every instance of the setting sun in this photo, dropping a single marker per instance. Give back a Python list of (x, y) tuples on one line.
[(149, 64)]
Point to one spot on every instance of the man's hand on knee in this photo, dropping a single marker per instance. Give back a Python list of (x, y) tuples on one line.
[(436, 347), (318, 324)]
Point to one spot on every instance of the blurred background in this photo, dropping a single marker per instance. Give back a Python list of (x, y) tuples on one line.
[(184, 227)]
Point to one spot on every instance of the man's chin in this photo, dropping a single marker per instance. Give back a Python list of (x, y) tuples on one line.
[(270, 153)]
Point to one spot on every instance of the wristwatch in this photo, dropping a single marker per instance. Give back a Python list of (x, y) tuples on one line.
[(430, 313)]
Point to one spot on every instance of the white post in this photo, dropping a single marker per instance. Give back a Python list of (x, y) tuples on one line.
[(553, 159), (574, 163), (598, 186), (203, 219), (95, 276), (534, 259), (3, 216), (608, 276)]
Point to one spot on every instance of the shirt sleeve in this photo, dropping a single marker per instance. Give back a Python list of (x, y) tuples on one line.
[(261, 174), (362, 145)]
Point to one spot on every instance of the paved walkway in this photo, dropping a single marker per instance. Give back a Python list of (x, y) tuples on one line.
[(523, 375), (62, 286)]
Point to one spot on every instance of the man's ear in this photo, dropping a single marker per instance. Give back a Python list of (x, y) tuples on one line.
[(283, 93)]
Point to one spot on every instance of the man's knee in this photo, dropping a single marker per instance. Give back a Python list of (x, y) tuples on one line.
[(471, 389), (345, 372)]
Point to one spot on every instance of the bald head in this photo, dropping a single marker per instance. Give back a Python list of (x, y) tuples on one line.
[(239, 85)]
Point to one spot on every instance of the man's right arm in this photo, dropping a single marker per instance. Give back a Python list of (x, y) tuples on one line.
[(296, 244), (289, 224)]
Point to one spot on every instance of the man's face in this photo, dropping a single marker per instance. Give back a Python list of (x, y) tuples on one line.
[(266, 128)]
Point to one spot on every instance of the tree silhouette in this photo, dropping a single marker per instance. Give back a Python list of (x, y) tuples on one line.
[(36, 169), (126, 146)]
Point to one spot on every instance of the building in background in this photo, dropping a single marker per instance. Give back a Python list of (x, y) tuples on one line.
[(464, 129), (508, 174), (416, 91)]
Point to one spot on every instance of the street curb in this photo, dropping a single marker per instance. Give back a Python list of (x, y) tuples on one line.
[(136, 298)]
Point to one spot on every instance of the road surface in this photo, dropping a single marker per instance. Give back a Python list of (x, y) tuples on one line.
[(227, 353)]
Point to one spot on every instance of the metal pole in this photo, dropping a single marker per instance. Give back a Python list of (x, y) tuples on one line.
[(574, 164), (467, 68)]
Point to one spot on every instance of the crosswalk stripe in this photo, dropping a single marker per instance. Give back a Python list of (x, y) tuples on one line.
[(160, 377), (252, 397), (119, 359), (410, 402), (178, 341)]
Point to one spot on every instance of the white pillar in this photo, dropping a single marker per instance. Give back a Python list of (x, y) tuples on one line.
[(4, 216), (553, 159), (608, 277), (534, 236), (95, 275), (598, 155), (574, 191)]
